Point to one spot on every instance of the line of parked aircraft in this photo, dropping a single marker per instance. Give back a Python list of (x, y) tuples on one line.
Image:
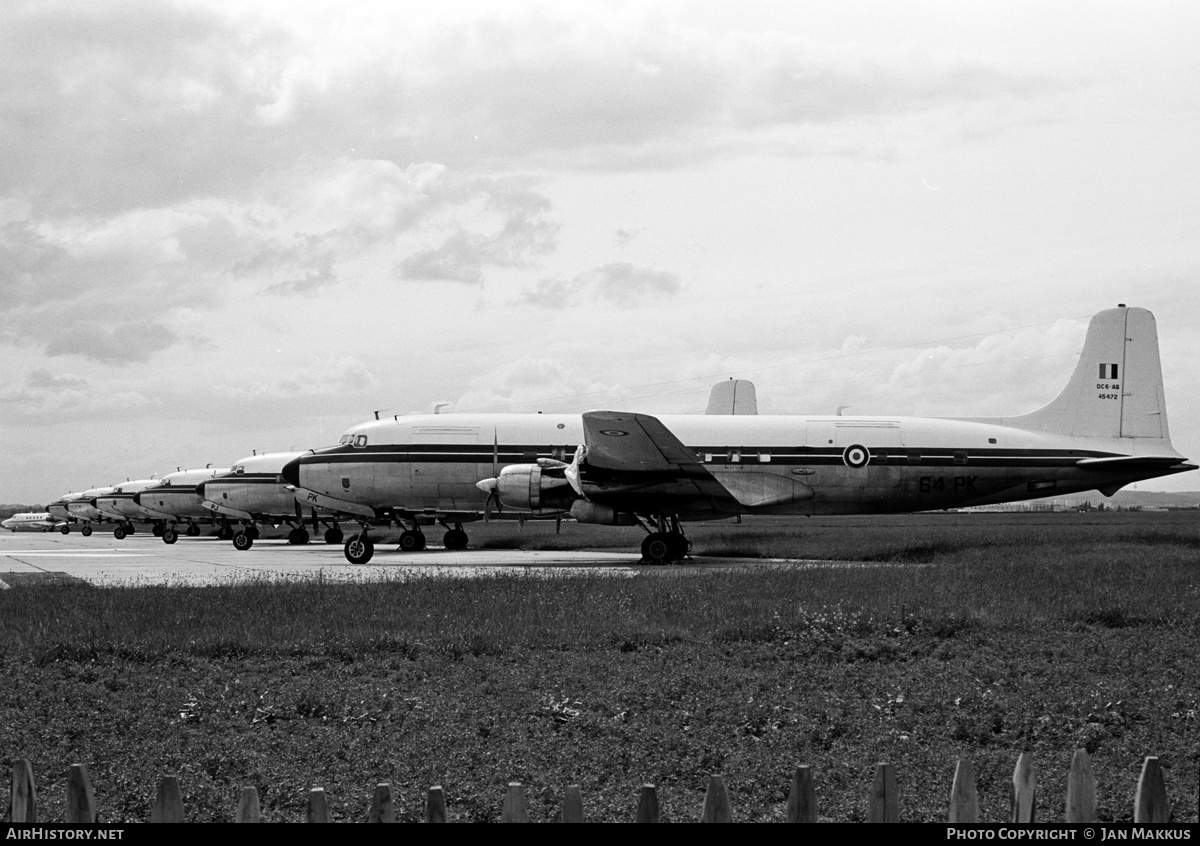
[(1105, 430)]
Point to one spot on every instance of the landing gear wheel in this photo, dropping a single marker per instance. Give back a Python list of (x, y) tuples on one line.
[(657, 548), (66, 530), (302, 537), (193, 530), (129, 529), (169, 536), (411, 541), (333, 535), (293, 538), (455, 539), (86, 531), (242, 541), (225, 533), (252, 531), (680, 546), (157, 530), (359, 549), (119, 533)]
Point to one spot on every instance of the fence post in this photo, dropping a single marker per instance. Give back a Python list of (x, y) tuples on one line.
[(248, 810), (885, 797), (514, 810), (381, 804), (1150, 804), (647, 809), (1081, 790), (573, 804), (81, 800), (22, 803), (802, 801), (435, 805), (168, 802), (1024, 790), (964, 802), (716, 802), (318, 806)]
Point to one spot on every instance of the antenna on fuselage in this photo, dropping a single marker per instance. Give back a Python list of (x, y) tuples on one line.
[(840, 409), (438, 406)]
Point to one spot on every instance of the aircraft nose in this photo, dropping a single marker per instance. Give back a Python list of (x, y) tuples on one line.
[(200, 490), (291, 472), (137, 498)]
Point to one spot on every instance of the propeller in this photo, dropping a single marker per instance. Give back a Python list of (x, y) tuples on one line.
[(491, 486)]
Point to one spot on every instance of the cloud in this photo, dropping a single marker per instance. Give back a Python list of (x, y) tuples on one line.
[(340, 377), (536, 384), (49, 396), (620, 283)]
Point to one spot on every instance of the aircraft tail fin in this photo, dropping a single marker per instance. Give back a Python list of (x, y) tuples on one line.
[(733, 396), (1116, 390)]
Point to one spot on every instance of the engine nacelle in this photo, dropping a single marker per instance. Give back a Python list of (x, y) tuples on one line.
[(532, 487), (584, 511)]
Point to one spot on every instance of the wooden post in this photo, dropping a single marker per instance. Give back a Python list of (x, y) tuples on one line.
[(381, 805), (884, 806), (647, 809), (1150, 805), (318, 806), (716, 802), (514, 810), (168, 802), (1024, 790), (81, 801), (573, 805), (964, 802), (435, 805), (22, 803), (248, 810), (1081, 790), (802, 801)]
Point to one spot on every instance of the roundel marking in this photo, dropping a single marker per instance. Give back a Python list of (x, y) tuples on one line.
[(614, 433), (856, 456)]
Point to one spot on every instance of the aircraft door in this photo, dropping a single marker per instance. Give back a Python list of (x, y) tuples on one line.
[(446, 466)]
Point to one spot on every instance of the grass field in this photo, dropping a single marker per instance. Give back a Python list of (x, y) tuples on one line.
[(946, 635)]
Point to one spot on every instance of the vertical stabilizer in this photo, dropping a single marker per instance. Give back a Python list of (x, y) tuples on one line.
[(1116, 390), (734, 396)]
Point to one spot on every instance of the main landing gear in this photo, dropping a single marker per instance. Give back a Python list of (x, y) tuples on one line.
[(359, 548), (121, 532), (65, 528), (298, 536), (334, 535), (86, 531), (667, 545)]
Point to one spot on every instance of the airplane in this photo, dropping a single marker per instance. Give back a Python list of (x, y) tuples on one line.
[(58, 510), (176, 499), (34, 521), (254, 492), (81, 508), (436, 503), (1106, 429), (119, 507)]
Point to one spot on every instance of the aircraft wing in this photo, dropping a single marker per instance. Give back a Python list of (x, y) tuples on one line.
[(635, 463)]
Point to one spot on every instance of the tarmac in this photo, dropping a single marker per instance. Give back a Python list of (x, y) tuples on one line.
[(144, 560)]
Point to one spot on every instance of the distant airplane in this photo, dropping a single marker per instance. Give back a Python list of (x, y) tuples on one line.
[(118, 506), (34, 521), (253, 492), (82, 508), (1105, 430), (176, 499)]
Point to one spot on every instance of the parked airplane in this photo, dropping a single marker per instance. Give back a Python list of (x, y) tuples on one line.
[(34, 521), (176, 499), (119, 507), (253, 492), (58, 510), (1105, 430), (82, 508)]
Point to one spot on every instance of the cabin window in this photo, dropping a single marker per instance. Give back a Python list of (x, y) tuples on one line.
[(360, 441), (735, 456), (708, 458), (991, 440), (764, 456), (914, 458), (879, 458), (960, 456)]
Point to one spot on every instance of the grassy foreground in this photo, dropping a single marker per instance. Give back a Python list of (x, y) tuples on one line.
[(982, 635)]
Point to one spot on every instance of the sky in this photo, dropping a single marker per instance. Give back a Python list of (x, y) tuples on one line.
[(239, 226)]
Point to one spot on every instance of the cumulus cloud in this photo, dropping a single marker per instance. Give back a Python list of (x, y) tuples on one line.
[(340, 377), (621, 283), (536, 384), (45, 395)]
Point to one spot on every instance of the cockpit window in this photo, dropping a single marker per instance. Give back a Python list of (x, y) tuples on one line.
[(239, 469), (346, 439), (360, 441)]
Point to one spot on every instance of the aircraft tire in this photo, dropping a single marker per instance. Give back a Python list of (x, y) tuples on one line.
[(242, 541), (680, 546), (410, 541), (86, 531), (193, 530), (334, 535), (657, 548), (455, 539), (292, 537), (302, 536), (169, 535), (252, 531), (66, 530), (129, 530), (157, 530), (420, 541), (359, 549), (119, 533)]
